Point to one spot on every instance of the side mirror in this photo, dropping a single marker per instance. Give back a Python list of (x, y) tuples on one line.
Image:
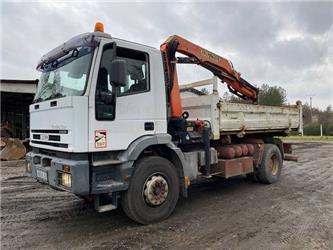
[(118, 72)]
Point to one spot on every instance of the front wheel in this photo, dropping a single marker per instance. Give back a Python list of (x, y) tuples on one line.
[(270, 168), (153, 190)]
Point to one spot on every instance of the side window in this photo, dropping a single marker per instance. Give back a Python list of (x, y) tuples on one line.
[(104, 101), (138, 71)]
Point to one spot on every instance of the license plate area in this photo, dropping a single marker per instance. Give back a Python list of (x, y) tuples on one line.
[(42, 175)]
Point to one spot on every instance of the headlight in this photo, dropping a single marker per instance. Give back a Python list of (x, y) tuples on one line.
[(66, 179)]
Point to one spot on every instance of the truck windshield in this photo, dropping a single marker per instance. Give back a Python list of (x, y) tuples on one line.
[(65, 76)]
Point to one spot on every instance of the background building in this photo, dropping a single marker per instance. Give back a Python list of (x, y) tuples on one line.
[(16, 96)]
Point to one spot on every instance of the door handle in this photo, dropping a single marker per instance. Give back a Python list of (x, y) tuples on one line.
[(149, 126)]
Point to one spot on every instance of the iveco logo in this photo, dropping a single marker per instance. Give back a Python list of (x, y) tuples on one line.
[(44, 137)]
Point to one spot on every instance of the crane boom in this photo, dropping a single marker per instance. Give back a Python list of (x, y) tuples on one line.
[(219, 66)]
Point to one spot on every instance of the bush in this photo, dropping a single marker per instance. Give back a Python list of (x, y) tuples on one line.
[(314, 129)]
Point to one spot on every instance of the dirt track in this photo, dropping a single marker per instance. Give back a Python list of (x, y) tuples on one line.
[(295, 213)]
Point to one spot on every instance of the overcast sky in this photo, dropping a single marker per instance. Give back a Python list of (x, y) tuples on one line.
[(289, 44)]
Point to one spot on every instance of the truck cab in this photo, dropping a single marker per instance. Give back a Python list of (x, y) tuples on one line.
[(89, 114), (86, 129)]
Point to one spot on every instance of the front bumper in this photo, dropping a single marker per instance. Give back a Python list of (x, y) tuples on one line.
[(52, 169)]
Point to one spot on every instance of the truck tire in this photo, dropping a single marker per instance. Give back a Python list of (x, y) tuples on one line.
[(270, 168), (153, 191)]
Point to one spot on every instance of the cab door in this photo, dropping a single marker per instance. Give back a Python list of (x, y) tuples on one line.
[(120, 115)]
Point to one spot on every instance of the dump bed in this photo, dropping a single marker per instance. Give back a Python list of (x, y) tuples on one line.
[(241, 119)]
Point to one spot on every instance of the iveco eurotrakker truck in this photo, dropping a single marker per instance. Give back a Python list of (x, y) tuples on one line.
[(108, 123)]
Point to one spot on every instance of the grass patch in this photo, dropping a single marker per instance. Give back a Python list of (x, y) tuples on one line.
[(307, 138)]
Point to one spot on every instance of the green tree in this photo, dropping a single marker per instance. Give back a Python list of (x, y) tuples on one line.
[(272, 95), (326, 116), (306, 113), (268, 95)]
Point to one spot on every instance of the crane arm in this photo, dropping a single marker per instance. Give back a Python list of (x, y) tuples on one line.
[(219, 66)]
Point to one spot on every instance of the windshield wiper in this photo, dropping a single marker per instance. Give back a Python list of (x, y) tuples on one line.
[(39, 99), (56, 95)]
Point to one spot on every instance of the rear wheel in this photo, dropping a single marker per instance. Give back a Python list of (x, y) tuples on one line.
[(153, 191), (270, 168)]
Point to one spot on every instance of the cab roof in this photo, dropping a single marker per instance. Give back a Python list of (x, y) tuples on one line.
[(90, 39)]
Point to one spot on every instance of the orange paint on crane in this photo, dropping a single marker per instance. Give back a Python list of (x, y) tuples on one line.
[(220, 66)]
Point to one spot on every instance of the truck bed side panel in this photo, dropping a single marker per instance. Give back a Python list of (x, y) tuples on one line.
[(232, 118)]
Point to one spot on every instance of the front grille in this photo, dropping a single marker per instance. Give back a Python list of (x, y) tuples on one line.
[(50, 137), (54, 137), (59, 145), (50, 131), (36, 137)]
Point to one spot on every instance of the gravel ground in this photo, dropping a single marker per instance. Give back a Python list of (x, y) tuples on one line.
[(295, 213)]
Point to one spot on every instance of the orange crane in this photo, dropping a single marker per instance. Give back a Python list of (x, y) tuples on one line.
[(219, 66)]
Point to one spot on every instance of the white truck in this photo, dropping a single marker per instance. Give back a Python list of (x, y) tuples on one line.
[(108, 124)]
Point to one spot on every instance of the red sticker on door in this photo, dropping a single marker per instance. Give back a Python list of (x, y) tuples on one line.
[(100, 139)]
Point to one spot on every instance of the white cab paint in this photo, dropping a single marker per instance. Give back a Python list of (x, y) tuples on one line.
[(132, 111), (71, 113)]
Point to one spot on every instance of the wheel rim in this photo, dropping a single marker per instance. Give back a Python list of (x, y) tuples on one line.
[(155, 190), (274, 165)]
